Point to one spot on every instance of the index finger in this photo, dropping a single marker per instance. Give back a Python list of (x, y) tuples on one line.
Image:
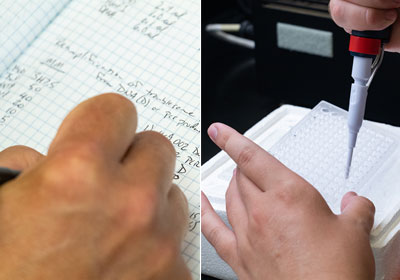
[(103, 126), (256, 163)]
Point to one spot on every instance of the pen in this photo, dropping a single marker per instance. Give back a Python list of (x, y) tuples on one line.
[(7, 174)]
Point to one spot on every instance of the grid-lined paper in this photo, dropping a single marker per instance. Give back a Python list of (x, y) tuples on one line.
[(21, 21), (148, 51)]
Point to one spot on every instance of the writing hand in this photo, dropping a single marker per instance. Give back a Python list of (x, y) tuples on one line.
[(100, 205), (282, 227)]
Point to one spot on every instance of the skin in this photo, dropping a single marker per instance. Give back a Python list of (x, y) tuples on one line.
[(368, 15), (282, 228), (100, 205)]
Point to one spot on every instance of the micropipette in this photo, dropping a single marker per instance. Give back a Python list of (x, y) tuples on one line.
[(364, 46)]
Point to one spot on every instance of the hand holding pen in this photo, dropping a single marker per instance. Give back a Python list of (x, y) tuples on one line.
[(101, 198)]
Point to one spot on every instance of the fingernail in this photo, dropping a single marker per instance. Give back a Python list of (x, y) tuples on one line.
[(213, 132), (391, 15), (352, 193)]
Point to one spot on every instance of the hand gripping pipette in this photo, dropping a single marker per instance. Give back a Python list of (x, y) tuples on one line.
[(364, 47)]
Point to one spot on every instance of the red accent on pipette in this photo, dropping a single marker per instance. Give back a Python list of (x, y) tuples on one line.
[(364, 45)]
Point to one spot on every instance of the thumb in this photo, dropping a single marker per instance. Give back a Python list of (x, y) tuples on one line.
[(358, 210), (19, 157)]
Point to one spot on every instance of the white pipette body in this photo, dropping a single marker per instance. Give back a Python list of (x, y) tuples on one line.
[(358, 97)]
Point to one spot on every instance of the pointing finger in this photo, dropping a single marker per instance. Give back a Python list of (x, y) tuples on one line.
[(256, 163)]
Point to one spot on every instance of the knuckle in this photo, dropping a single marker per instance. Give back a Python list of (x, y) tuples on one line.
[(71, 172), (363, 219), (370, 205), (291, 185), (285, 195), (77, 163), (148, 211), (293, 188), (372, 18), (160, 143), (215, 237), (245, 156), (257, 219), (149, 194), (368, 219), (139, 211), (167, 253), (289, 182), (367, 204), (364, 223)]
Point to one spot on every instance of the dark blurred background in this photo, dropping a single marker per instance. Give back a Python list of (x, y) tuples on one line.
[(229, 85), (240, 86)]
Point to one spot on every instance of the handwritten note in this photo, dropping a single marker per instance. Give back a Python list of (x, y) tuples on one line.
[(112, 8), (161, 17), (147, 51)]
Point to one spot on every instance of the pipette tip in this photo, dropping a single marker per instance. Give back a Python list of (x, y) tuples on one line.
[(346, 176), (348, 163)]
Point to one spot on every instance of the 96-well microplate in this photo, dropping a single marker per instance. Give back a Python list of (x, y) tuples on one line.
[(316, 149)]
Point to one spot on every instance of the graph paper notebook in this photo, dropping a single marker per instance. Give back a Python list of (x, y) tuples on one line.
[(55, 54)]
